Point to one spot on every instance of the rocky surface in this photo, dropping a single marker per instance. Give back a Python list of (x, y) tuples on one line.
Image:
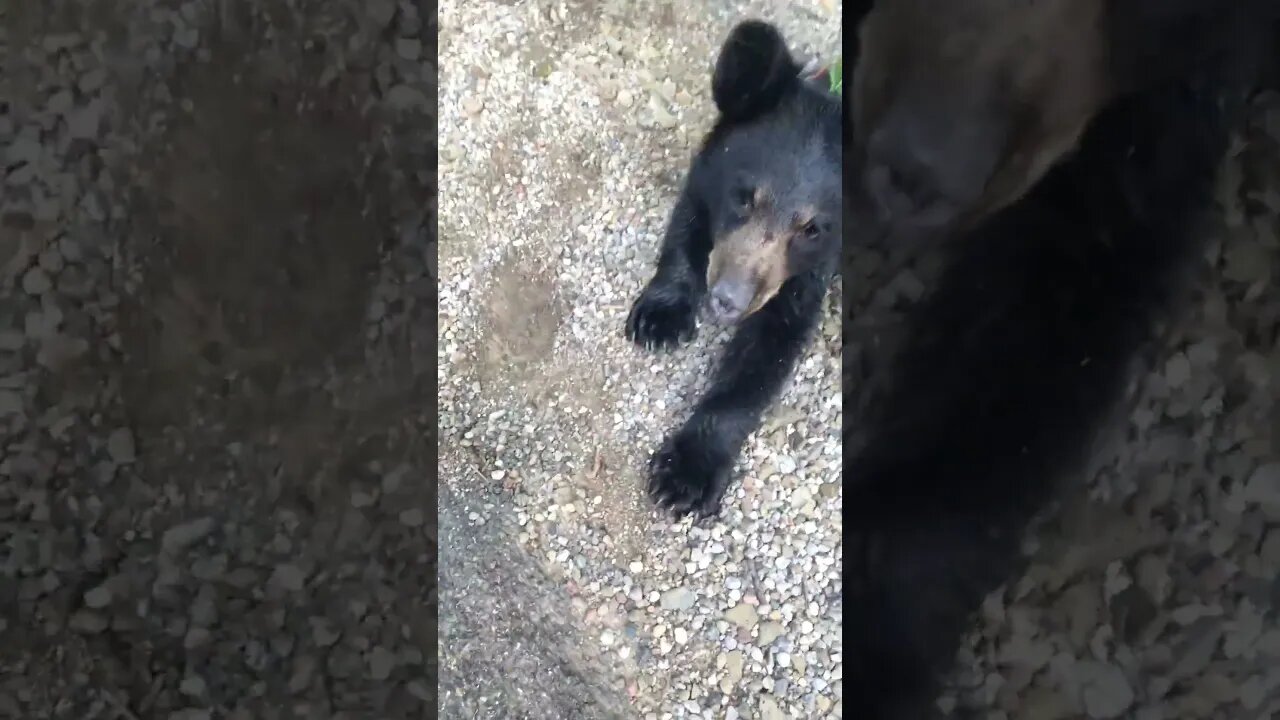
[(217, 308)]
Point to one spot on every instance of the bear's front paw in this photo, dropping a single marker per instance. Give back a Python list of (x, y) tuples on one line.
[(688, 475), (663, 316)]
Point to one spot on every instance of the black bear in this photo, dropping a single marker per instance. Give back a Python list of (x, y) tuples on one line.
[(959, 107), (753, 240), (1052, 282)]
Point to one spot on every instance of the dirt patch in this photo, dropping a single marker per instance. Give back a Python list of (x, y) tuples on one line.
[(523, 314), (611, 493)]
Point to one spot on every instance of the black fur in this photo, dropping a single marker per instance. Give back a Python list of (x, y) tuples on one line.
[(775, 125), (1010, 364)]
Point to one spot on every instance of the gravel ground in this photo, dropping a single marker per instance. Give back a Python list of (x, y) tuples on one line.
[(564, 130), (1153, 591), (1155, 594), (216, 407)]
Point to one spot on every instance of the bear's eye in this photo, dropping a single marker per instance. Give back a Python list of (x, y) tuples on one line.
[(811, 231), (745, 198)]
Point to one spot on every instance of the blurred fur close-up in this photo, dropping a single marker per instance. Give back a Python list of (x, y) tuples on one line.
[(1059, 273)]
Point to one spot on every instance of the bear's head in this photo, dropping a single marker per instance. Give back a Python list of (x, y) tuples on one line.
[(769, 173), (958, 108)]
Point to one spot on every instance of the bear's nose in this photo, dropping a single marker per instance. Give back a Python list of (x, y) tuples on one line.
[(728, 300)]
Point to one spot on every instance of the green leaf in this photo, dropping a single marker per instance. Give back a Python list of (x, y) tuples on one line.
[(837, 76)]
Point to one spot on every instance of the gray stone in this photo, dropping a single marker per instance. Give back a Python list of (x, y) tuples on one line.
[(120, 446), (677, 599), (1105, 691), (180, 537), (288, 577), (743, 615)]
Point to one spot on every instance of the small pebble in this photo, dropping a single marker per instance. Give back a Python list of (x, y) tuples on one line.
[(36, 282), (120, 446), (97, 598)]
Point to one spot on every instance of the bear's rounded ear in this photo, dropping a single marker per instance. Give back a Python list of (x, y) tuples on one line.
[(753, 71)]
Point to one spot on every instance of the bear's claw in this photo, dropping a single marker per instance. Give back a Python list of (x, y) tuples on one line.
[(661, 318), (686, 477)]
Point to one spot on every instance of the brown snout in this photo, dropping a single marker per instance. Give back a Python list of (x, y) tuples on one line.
[(746, 269)]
